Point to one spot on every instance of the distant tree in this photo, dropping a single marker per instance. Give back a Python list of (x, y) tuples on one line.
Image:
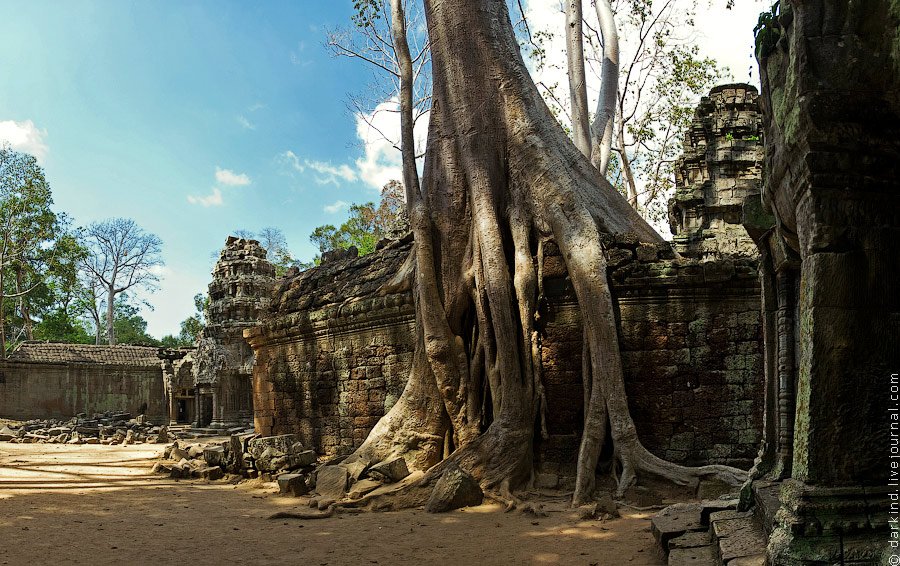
[(121, 257), (129, 326), (367, 223), (275, 243), (32, 240), (193, 325), (661, 76)]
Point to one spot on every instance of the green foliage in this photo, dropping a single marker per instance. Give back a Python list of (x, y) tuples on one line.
[(367, 224), (767, 31), (59, 325), (38, 255), (130, 327)]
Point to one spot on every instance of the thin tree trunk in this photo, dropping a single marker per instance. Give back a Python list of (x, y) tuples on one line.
[(23, 305), (627, 173), (577, 81), (602, 128), (110, 316)]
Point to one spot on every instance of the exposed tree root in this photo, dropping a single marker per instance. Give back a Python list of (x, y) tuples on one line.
[(501, 178)]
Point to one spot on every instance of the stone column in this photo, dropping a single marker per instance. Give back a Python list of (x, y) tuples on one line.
[(830, 75)]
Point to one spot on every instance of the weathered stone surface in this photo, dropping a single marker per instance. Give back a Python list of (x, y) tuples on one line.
[(711, 506), (453, 490), (215, 456), (674, 521), (738, 538), (44, 380), (695, 556), (331, 482), (293, 484), (212, 473), (690, 540), (362, 487), (282, 444), (830, 77), (221, 367), (333, 355), (721, 166), (178, 454), (391, 470)]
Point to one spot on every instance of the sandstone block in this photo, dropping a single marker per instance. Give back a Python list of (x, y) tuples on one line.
[(391, 470), (293, 484), (331, 482), (453, 490)]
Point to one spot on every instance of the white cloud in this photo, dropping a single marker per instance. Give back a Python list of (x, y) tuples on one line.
[(24, 137), (378, 132), (231, 179), (291, 159), (335, 207), (212, 199), (247, 124), (325, 173), (328, 173)]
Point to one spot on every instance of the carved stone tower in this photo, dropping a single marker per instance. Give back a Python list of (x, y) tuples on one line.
[(720, 167), (239, 292)]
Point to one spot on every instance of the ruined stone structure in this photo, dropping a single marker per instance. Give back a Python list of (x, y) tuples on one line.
[(45, 380), (334, 351), (824, 480), (222, 365), (720, 167)]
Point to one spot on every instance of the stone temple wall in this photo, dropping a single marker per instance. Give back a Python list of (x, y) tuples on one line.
[(333, 355), (41, 380)]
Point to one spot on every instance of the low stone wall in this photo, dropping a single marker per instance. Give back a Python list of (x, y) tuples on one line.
[(62, 390), (333, 356)]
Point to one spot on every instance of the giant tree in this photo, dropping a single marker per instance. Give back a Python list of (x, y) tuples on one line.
[(501, 178), (121, 256), (32, 236)]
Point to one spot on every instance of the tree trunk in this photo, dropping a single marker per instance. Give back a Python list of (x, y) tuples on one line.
[(110, 316), (500, 178), (577, 81), (627, 172), (602, 129), (27, 324)]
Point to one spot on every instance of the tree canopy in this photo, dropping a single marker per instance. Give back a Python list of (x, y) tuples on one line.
[(367, 223)]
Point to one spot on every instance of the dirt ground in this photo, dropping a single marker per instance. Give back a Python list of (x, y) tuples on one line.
[(95, 504)]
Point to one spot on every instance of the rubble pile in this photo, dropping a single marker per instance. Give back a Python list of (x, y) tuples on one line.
[(102, 428), (248, 455)]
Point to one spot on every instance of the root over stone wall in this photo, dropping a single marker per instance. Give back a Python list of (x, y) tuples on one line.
[(333, 354)]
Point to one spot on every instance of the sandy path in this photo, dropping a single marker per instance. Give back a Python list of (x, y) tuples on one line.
[(99, 505)]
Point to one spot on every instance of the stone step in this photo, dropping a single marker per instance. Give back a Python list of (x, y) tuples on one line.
[(697, 556), (673, 522), (738, 538)]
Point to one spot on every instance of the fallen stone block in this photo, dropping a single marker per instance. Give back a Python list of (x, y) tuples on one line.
[(293, 484), (161, 468), (392, 470), (178, 454), (363, 487), (7, 433), (453, 490), (215, 456), (331, 482), (212, 473), (282, 443)]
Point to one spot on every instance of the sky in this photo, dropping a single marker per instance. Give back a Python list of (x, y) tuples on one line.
[(197, 118)]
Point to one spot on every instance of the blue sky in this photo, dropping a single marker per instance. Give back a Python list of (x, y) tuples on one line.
[(200, 117), (193, 118)]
